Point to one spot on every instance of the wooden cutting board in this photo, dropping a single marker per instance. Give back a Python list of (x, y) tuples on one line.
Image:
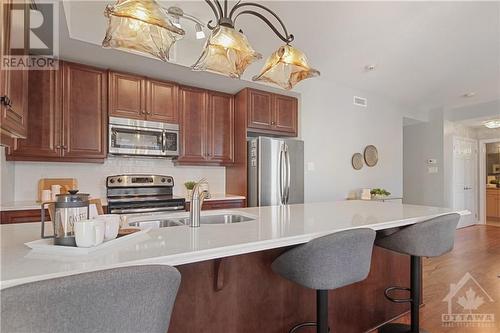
[(66, 185)]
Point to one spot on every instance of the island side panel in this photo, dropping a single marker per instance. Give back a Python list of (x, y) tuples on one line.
[(241, 294)]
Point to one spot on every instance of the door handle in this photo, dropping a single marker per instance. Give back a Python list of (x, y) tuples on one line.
[(288, 177), (282, 194)]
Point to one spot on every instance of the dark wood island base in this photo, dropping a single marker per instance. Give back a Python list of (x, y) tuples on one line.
[(241, 294)]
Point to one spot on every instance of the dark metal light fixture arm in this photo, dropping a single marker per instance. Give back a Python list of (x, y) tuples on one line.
[(212, 6), (287, 38), (222, 14)]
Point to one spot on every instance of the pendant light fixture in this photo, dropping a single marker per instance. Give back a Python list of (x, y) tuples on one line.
[(140, 26), (143, 26), (286, 67), (228, 52)]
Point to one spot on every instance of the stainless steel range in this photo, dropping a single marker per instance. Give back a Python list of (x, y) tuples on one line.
[(142, 194)]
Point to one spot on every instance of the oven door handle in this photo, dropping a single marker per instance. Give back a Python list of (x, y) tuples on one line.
[(145, 210)]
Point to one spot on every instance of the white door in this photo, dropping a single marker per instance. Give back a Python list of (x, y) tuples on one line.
[(465, 178)]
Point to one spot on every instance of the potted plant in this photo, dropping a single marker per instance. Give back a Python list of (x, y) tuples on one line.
[(189, 188), (379, 193)]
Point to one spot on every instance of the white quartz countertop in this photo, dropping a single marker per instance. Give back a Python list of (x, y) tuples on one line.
[(273, 227)]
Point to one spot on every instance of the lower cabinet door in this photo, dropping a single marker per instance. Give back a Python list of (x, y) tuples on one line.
[(493, 204), (84, 112)]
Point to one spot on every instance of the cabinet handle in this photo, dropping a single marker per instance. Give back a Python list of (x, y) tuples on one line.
[(5, 100), (273, 123), (64, 147)]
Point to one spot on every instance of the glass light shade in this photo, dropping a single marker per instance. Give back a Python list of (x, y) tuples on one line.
[(286, 67), (140, 26), (227, 52)]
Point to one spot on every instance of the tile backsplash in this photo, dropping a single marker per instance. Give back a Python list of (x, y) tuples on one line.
[(92, 177)]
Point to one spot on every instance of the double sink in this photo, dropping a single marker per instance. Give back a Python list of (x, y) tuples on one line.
[(164, 222)]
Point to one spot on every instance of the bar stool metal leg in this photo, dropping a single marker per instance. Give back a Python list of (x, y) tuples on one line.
[(415, 289), (322, 310), (414, 300)]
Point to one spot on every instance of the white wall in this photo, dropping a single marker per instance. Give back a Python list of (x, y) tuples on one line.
[(333, 129), (6, 179), (434, 139), (92, 177), (422, 142)]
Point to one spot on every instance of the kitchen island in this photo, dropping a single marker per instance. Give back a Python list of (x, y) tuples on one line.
[(227, 284)]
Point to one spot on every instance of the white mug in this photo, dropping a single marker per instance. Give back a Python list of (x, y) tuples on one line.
[(111, 225), (89, 233)]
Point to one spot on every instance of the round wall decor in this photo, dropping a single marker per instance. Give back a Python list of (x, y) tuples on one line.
[(371, 155), (357, 161)]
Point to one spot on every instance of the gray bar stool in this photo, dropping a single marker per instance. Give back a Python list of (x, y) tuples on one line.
[(327, 263), (431, 238), (128, 299)]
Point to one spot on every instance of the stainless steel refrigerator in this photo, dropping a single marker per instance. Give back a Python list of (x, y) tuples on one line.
[(275, 171)]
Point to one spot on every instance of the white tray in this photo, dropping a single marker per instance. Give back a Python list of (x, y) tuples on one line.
[(47, 245)]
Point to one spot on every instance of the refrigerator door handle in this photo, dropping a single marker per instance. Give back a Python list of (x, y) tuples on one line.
[(288, 176), (281, 174)]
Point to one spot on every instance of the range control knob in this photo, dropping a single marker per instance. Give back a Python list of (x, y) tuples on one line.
[(119, 180), (163, 180), (169, 180), (112, 180)]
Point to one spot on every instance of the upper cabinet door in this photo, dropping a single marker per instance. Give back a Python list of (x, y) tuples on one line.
[(162, 102), (260, 109), (192, 121), (84, 112), (14, 83), (220, 128), (43, 136), (285, 114), (127, 96)]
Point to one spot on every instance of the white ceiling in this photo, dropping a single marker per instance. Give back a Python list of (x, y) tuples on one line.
[(427, 54)]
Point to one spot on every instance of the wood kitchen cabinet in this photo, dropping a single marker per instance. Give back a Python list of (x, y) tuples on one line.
[(13, 83), (493, 204), (68, 119), (219, 204), (137, 97), (269, 113), (220, 128), (84, 112), (206, 127), (260, 109)]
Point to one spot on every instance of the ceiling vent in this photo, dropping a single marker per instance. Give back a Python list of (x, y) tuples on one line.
[(360, 101)]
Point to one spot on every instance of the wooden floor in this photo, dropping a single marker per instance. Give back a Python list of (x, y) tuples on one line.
[(477, 252)]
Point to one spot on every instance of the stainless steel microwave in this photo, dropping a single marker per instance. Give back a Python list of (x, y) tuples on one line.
[(145, 138)]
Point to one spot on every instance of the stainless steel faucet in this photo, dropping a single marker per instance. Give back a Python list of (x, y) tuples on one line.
[(197, 203)]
